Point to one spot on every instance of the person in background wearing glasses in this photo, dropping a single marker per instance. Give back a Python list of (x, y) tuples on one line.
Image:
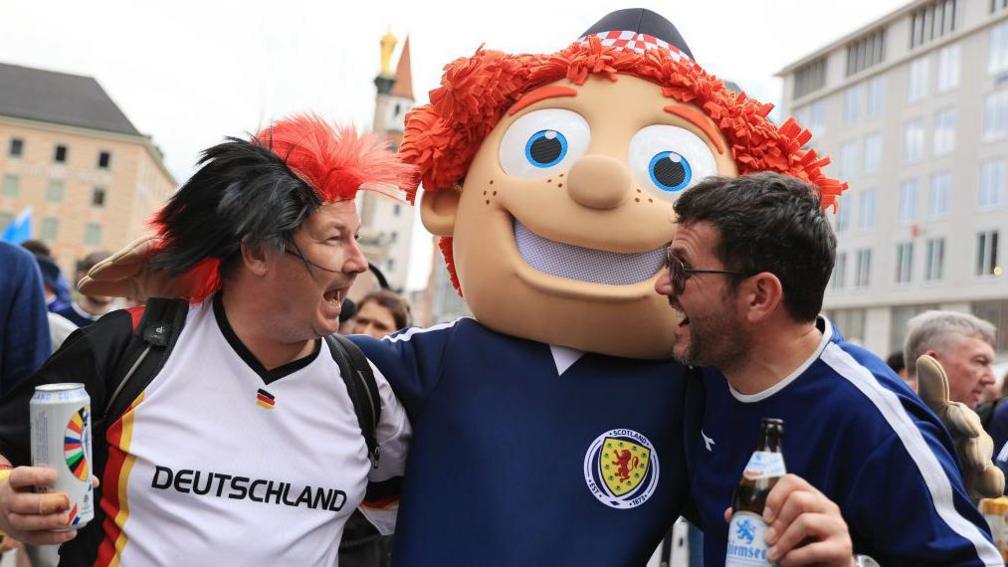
[(747, 271)]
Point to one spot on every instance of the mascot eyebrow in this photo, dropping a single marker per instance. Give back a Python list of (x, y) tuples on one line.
[(699, 120), (542, 93)]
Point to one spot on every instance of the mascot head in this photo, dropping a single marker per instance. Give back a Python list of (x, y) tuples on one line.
[(550, 178)]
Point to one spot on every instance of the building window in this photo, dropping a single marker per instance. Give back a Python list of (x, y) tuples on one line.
[(10, 185), (876, 96), (996, 116), (948, 68), (997, 59), (934, 259), (49, 229), (908, 201), (16, 147), (913, 140), (991, 183), (866, 51), (848, 160), (850, 323), (867, 219), (945, 131), (851, 104), (996, 5), (842, 214), (932, 21), (390, 264), (862, 271), (98, 197), (55, 191), (904, 262), (996, 312), (104, 158), (394, 236), (92, 234), (817, 117), (917, 83), (938, 196), (872, 152), (809, 78), (987, 254), (839, 277), (396, 209), (60, 154)]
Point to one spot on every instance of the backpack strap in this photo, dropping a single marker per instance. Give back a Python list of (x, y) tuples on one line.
[(362, 387), (154, 336)]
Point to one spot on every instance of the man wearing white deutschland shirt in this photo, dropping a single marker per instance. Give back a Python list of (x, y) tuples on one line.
[(245, 447), (747, 271)]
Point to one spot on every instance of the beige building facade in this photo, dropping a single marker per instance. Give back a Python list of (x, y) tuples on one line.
[(913, 110), (88, 188)]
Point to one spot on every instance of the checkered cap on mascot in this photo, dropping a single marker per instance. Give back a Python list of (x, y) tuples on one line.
[(481, 96)]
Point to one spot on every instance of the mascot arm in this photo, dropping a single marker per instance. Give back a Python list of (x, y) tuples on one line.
[(973, 445), (411, 363)]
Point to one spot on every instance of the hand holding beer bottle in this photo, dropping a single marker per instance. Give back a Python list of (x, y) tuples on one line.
[(780, 519)]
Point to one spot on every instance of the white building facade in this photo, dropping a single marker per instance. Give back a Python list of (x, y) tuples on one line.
[(913, 110)]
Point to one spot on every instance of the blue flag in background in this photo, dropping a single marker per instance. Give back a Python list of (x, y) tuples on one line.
[(20, 229)]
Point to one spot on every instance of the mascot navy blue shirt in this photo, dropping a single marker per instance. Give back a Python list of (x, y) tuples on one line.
[(888, 464), (579, 463)]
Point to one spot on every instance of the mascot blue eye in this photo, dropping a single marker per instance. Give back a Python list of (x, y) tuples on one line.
[(546, 148), (670, 171), (668, 160), (543, 142)]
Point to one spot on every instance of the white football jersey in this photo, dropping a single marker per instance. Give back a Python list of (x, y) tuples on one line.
[(221, 462)]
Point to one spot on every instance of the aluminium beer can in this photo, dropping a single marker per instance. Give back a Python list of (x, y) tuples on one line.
[(61, 440)]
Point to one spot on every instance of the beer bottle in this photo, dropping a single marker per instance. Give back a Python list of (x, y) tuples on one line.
[(746, 546)]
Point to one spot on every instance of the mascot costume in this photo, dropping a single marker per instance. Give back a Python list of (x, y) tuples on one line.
[(552, 428)]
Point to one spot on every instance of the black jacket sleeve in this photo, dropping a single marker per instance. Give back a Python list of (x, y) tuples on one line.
[(90, 356)]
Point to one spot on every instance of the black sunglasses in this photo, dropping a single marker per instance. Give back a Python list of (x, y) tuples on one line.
[(679, 273)]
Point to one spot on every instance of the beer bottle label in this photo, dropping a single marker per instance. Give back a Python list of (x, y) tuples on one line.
[(764, 464), (746, 546)]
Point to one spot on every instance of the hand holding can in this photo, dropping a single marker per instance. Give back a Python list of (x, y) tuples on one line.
[(29, 516)]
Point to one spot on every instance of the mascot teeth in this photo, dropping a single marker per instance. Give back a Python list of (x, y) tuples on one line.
[(585, 264)]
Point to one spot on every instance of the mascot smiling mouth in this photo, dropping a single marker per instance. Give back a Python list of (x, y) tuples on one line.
[(586, 264)]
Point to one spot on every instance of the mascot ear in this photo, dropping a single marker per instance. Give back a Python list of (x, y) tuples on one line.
[(438, 209)]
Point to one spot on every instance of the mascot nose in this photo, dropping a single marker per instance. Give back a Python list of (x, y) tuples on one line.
[(599, 182)]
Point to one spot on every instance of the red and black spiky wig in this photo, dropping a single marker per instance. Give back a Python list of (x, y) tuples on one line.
[(263, 189), (442, 137)]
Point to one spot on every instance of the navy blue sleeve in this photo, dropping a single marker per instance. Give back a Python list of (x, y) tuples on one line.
[(997, 428), (411, 361), (909, 501), (24, 326)]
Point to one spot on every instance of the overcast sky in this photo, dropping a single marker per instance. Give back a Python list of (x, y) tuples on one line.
[(189, 73)]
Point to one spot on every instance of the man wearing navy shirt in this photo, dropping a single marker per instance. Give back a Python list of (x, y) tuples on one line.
[(748, 267)]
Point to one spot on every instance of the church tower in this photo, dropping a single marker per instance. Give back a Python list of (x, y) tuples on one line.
[(387, 225)]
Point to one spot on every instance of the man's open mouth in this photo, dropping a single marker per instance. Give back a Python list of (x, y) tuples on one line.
[(586, 264)]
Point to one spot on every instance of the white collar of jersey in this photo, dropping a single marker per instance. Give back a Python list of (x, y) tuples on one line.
[(827, 334), (564, 357)]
